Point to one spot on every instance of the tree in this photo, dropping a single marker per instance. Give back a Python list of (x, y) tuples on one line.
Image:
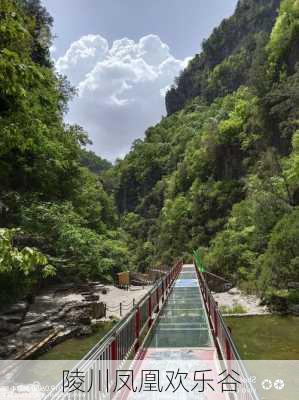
[(20, 269), (280, 263)]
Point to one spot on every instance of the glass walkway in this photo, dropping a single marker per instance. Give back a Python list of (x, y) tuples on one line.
[(183, 322)]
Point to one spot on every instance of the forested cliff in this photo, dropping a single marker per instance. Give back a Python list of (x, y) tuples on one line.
[(220, 173), (56, 218)]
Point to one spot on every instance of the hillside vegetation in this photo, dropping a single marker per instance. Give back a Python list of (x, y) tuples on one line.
[(51, 198), (220, 173)]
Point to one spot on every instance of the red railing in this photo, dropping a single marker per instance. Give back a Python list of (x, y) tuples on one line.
[(125, 338), (224, 340)]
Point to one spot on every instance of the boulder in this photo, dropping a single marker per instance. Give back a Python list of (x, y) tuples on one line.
[(234, 291), (83, 288), (86, 293), (92, 297), (84, 330), (34, 319), (41, 327), (79, 316), (99, 286), (36, 328)]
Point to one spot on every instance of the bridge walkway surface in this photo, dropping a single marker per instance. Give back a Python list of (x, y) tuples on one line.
[(182, 329), (182, 333), (178, 320)]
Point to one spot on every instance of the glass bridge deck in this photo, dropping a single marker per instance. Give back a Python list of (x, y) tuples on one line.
[(183, 322)]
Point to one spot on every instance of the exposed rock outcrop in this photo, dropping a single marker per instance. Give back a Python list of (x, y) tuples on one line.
[(55, 314)]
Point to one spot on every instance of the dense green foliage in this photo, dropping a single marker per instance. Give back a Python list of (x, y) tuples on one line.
[(220, 173), (94, 163), (49, 185), (228, 57), (19, 265)]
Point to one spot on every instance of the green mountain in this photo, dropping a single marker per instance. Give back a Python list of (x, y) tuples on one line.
[(219, 174), (56, 219), (228, 56)]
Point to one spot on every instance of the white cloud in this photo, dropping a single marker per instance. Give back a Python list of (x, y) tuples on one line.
[(121, 88), (53, 49)]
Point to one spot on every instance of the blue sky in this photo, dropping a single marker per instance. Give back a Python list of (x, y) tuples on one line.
[(122, 55)]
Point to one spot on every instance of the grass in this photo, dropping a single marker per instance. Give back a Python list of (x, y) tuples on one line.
[(236, 309)]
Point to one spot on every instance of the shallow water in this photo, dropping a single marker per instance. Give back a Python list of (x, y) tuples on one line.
[(77, 348), (268, 337)]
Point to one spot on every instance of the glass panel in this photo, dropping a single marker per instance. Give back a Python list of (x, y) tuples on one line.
[(180, 338), (182, 322)]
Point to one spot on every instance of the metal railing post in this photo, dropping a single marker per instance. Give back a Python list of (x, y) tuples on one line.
[(215, 322), (158, 299), (228, 354), (114, 349), (137, 327), (150, 320)]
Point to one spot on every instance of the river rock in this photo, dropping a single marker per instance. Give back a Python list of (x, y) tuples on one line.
[(51, 311), (78, 316), (234, 291), (86, 293), (83, 288), (92, 297), (84, 330), (29, 331), (64, 288), (99, 287), (32, 318)]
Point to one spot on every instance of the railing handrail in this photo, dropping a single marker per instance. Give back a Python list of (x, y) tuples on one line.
[(110, 335), (139, 317), (210, 302), (223, 324)]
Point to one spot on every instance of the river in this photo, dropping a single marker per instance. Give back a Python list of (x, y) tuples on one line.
[(76, 348), (269, 337)]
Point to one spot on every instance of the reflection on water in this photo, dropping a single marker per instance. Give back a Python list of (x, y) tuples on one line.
[(269, 337)]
